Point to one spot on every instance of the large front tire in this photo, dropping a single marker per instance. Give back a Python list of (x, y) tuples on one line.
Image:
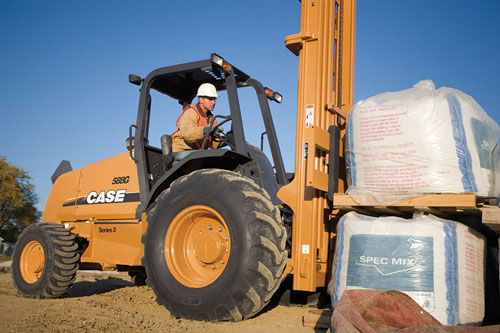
[(214, 248), (45, 261)]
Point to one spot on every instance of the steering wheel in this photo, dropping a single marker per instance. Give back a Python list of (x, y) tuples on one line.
[(216, 132)]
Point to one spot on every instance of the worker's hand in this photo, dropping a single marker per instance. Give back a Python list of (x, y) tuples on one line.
[(206, 131), (217, 132)]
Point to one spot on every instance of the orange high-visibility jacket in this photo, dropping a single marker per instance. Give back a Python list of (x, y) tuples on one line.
[(189, 133)]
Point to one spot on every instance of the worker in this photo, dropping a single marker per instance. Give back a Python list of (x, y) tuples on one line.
[(193, 124)]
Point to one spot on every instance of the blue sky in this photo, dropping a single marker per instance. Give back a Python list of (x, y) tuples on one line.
[(65, 65)]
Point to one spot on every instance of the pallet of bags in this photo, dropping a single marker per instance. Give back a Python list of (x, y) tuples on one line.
[(438, 263), (416, 141)]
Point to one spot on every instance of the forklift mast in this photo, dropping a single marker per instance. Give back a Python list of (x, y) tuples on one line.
[(325, 47)]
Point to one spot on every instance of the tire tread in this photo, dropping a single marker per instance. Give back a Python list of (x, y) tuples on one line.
[(267, 234), (63, 265)]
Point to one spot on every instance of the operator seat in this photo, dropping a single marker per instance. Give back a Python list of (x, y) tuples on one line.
[(166, 149)]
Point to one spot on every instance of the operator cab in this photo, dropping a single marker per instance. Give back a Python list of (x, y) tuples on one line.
[(180, 83)]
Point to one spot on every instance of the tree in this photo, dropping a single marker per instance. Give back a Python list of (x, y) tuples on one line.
[(17, 201)]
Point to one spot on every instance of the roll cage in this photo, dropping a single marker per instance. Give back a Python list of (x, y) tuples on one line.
[(181, 82)]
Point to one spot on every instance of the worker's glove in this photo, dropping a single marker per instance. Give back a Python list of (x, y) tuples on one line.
[(206, 131)]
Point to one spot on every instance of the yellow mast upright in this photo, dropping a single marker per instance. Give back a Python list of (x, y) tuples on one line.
[(325, 46)]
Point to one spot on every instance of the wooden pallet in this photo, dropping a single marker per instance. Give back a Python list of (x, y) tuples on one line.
[(440, 204)]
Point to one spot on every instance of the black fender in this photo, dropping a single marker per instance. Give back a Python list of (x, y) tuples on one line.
[(264, 175), (202, 159)]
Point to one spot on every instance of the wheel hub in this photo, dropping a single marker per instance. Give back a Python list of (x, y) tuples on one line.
[(32, 261), (209, 248), (197, 246)]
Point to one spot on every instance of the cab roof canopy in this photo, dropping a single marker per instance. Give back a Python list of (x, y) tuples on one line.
[(181, 82)]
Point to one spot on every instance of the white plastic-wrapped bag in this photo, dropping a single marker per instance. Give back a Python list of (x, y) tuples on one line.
[(438, 263), (420, 140)]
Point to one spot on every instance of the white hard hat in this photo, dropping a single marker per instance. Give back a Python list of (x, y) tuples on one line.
[(207, 90)]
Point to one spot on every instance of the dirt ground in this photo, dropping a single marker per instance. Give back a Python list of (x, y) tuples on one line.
[(105, 302)]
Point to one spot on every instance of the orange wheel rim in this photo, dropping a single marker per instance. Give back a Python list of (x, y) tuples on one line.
[(197, 246), (32, 262)]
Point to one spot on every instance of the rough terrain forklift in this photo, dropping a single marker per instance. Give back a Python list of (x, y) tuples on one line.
[(206, 229), (215, 233)]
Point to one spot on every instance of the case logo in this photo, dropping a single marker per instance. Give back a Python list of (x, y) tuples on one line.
[(106, 197)]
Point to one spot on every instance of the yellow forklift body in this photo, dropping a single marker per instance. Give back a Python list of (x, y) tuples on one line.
[(113, 243), (63, 191), (99, 203)]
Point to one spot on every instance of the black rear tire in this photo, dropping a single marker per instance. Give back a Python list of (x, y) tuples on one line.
[(257, 255), (54, 248)]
